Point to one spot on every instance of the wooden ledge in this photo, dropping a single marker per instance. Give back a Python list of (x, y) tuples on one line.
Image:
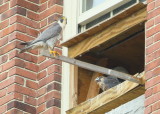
[(101, 26), (109, 99)]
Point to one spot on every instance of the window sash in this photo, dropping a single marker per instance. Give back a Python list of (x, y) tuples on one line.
[(98, 11)]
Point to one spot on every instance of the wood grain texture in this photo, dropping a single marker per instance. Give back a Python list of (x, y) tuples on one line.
[(109, 99), (94, 88), (114, 31), (73, 86)]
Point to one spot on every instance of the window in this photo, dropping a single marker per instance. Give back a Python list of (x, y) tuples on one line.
[(120, 33), (88, 13)]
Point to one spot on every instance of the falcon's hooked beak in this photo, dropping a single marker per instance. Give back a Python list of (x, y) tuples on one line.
[(97, 79)]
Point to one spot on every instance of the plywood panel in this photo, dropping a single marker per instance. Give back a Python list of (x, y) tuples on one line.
[(116, 31)]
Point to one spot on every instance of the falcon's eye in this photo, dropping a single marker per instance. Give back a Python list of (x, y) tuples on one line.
[(61, 20)]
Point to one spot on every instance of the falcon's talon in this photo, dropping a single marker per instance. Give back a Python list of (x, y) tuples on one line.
[(54, 53)]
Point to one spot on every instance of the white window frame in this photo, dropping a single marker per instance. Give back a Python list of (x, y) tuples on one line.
[(98, 11)]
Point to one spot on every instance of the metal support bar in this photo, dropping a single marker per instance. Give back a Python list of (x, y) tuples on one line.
[(95, 68)]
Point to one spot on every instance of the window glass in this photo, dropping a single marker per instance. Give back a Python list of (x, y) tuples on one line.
[(89, 4)]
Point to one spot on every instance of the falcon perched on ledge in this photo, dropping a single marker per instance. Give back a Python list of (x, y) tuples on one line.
[(106, 82), (48, 38)]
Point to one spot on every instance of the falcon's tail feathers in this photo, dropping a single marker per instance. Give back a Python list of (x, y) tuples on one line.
[(24, 43), (25, 49)]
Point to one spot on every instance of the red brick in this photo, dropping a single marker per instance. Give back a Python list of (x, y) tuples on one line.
[(3, 76), (23, 73), (24, 56), (18, 96), (41, 108), (43, 7), (152, 82), (8, 30), (46, 80), (152, 65), (25, 21), (41, 59), (152, 48), (157, 20), (31, 32), (34, 1), (148, 110), (54, 69), (13, 11), (6, 99), (156, 89), (3, 59), (22, 90), (52, 110), (153, 13), (54, 9), (1, 2), (41, 91), (157, 3), (14, 111), (42, 74), (156, 37), (45, 64), (53, 2), (43, 23), (33, 15), (3, 109), (42, 1), (14, 62), (4, 7), (152, 56), (11, 81), (149, 101), (148, 92), (30, 100), (25, 4), (3, 92), (4, 24), (32, 84), (149, 23), (150, 32), (3, 41), (156, 106), (31, 66), (150, 6), (48, 96)]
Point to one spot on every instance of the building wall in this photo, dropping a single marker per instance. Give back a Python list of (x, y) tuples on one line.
[(29, 83), (152, 60)]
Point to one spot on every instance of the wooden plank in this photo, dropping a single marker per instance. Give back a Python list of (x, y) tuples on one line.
[(109, 99), (84, 79), (73, 86), (94, 88), (116, 31), (102, 25), (95, 68)]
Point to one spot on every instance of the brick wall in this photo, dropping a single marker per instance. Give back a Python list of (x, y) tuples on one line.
[(152, 58), (29, 83)]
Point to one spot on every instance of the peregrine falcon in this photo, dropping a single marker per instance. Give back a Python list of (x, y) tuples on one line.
[(106, 82), (48, 38)]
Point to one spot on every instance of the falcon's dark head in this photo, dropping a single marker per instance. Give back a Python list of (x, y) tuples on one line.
[(62, 21), (98, 79)]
